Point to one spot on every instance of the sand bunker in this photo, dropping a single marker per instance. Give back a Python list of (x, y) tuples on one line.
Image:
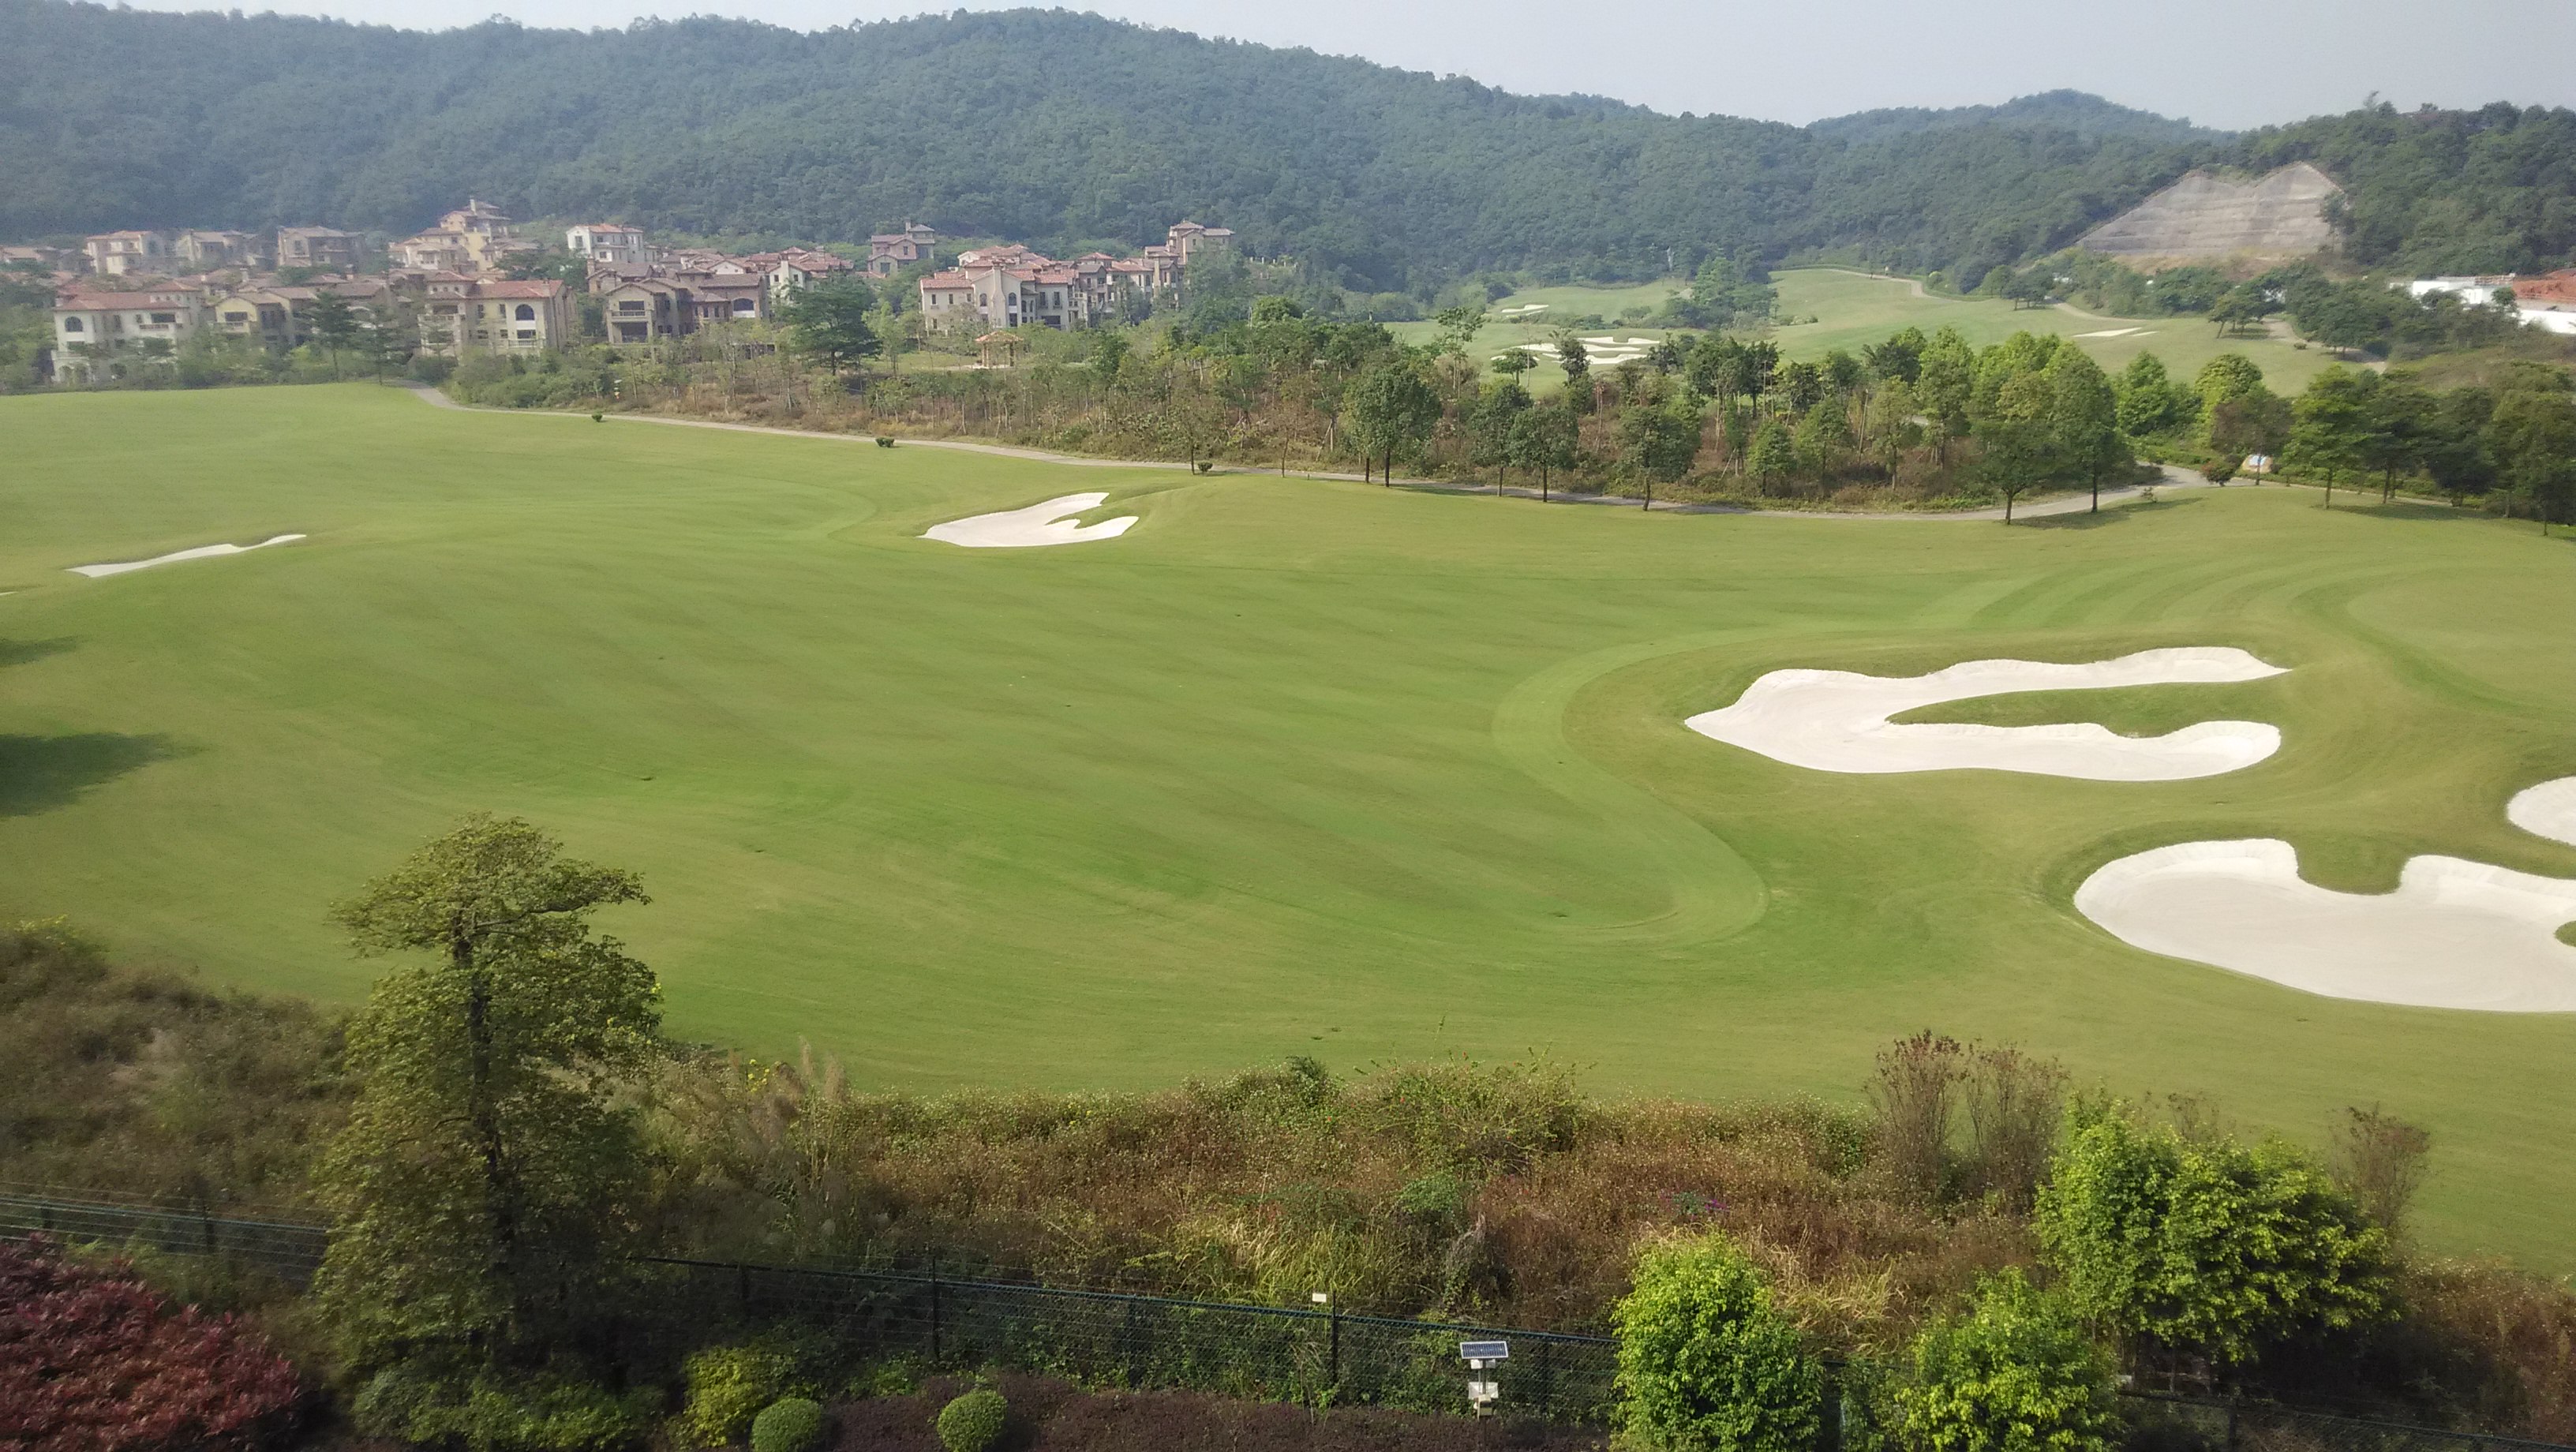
[(1600, 352), (1051, 523), (2120, 333), (2455, 934), (1837, 720), (201, 552)]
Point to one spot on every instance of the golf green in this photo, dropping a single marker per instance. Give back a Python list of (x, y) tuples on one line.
[(1292, 767)]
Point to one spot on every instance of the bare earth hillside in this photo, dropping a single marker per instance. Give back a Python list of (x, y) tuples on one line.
[(2205, 215)]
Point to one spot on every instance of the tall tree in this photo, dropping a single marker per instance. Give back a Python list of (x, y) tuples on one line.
[(2533, 436), (829, 322), (2151, 403), (1943, 385), (2333, 426), (1544, 438), (486, 1182), (2018, 440), (2084, 418), (1389, 407), (1576, 360), (1490, 423), (333, 325)]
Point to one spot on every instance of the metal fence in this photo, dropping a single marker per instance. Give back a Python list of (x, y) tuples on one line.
[(289, 1249), (1098, 1338)]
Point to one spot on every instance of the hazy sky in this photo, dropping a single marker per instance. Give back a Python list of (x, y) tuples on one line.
[(2231, 63)]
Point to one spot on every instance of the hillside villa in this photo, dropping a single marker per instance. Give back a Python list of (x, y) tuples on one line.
[(1005, 287)]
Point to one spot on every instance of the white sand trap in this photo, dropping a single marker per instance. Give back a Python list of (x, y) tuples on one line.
[(2455, 934), (2119, 333), (1051, 523), (201, 552), (1837, 720)]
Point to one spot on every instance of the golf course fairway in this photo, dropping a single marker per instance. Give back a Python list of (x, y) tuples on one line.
[(1290, 767)]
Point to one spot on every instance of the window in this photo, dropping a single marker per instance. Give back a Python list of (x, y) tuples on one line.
[(71, 325), (527, 333), (526, 314), (165, 319), (743, 305), (237, 317)]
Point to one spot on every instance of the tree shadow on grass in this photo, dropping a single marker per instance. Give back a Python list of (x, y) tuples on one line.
[(40, 773), (2369, 507), (2104, 518), (20, 652)]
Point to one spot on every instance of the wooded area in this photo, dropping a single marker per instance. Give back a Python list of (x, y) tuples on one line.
[(1376, 178)]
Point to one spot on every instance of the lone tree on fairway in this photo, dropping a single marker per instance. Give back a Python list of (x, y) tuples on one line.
[(1391, 406), (828, 322), (485, 1181)]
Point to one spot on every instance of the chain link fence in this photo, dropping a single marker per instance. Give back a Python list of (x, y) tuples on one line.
[(1098, 1338)]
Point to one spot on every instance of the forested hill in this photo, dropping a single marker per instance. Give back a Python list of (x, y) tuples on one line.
[(2075, 111), (1053, 128)]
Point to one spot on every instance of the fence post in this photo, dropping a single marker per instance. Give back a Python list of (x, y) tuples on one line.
[(2231, 1424), (742, 1290), (1546, 1377), (934, 1311), (1333, 1351), (206, 1223)]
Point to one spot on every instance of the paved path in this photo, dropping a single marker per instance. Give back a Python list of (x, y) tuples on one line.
[(2175, 477)]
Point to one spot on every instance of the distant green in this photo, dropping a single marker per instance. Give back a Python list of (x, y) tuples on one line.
[(1293, 767)]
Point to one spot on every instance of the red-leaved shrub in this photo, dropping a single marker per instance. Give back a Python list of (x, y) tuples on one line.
[(94, 1360)]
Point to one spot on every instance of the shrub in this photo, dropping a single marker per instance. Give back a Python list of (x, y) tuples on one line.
[(790, 1424), (728, 1385), (1705, 1363), (2209, 1247), (973, 1422), (92, 1357), (493, 1411), (2016, 1374)]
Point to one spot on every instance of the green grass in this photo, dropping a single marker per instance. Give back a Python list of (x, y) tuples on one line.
[(1852, 310), (1294, 767)]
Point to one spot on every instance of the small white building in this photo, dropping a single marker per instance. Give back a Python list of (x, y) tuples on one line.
[(115, 254), (610, 243)]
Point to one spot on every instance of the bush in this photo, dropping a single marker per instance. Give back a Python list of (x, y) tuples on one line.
[(491, 1411), (1705, 1363), (95, 1358), (973, 1422), (2016, 1374), (2211, 1247), (790, 1424), (728, 1385)]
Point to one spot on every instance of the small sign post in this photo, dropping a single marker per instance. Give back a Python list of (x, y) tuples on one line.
[(1484, 1357)]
